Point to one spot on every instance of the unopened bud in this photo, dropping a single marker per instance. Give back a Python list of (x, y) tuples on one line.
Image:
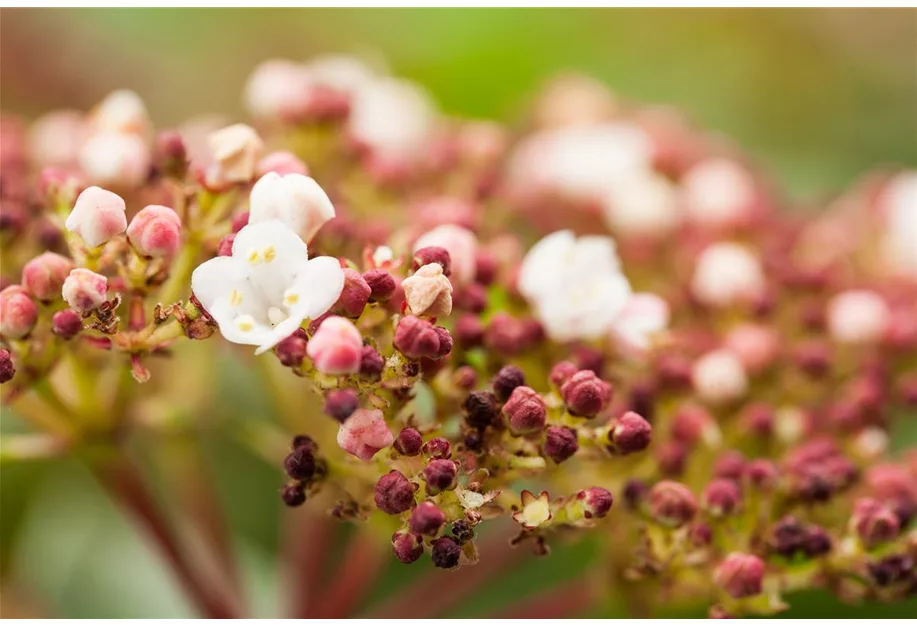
[(394, 493)]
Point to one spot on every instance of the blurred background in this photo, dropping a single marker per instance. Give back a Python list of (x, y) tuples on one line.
[(817, 96)]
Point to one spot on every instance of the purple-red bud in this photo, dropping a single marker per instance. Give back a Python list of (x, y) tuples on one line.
[(371, 363), (408, 547), (7, 369), (394, 493), (437, 448), (381, 285), (354, 295), (721, 497), (585, 394), (292, 350), (672, 504), (561, 372), (525, 411), (440, 475), (293, 495), (469, 331), (596, 501), (507, 380), (340, 404), (740, 575), (426, 519), (66, 324), (445, 552), (408, 442), (224, 247), (480, 409), (300, 463), (630, 434), (432, 254), (560, 443), (874, 522)]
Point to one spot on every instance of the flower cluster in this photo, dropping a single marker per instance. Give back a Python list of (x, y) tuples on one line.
[(606, 323)]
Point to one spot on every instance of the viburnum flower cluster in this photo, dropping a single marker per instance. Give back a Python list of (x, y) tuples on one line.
[(602, 321)]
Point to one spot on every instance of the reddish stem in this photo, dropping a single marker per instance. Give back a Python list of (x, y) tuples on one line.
[(568, 600), (353, 578), (123, 481), (438, 592), (309, 533)]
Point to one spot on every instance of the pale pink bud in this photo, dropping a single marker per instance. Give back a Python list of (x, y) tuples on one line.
[(155, 231), (858, 317), (84, 290), (755, 345), (122, 111), (97, 216), (44, 276), (461, 245), (719, 377), (740, 575), (282, 162), (116, 159), (18, 312), (236, 150), (278, 90), (56, 138), (428, 292), (365, 433), (718, 193), (726, 274), (336, 347)]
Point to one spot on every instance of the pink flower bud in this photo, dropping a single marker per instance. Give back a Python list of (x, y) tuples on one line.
[(428, 292), (740, 575), (381, 285), (354, 296), (340, 404), (44, 276), (762, 474), (235, 150), (394, 493), (630, 433), (224, 247), (408, 442), (364, 434), (874, 522), (756, 345), (97, 216), (155, 231), (408, 546), (596, 501), (561, 373), (66, 324), (469, 331), (692, 423), (426, 519), (525, 411), (18, 312), (719, 377), (858, 317), (432, 254), (585, 394), (507, 380), (84, 290), (461, 245), (560, 443), (416, 338), (7, 368), (116, 159), (336, 347), (672, 504), (371, 363), (170, 157), (721, 497), (440, 475), (292, 350), (282, 162)]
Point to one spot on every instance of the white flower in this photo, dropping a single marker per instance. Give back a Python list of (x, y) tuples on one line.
[(582, 163), (342, 73), (122, 111), (899, 203), (295, 199), (643, 204), (574, 285), (718, 192), (719, 377), (393, 117), (644, 317), (857, 317), (264, 291), (111, 158), (726, 274)]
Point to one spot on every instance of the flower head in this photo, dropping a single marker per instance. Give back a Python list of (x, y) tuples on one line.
[(295, 199), (263, 292), (97, 216)]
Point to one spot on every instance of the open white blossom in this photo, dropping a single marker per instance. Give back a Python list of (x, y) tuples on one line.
[(264, 291), (574, 285), (644, 318), (726, 274), (294, 199), (393, 117), (645, 204), (582, 162), (899, 204)]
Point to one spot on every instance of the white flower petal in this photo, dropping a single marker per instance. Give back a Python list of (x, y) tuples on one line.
[(318, 286), (215, 279)]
